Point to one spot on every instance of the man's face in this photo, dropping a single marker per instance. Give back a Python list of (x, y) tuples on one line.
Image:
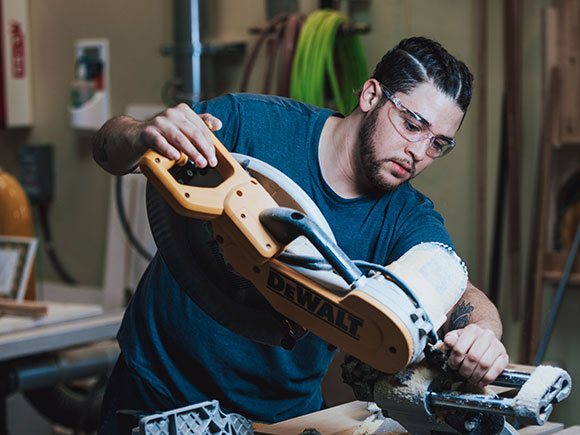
[(387, 158)]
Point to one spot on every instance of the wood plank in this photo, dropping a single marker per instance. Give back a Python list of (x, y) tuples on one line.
[(550, 130), (498, 218), (546, 429), (572, 430), (23, 308), (527, 368), (339, 420), (530, 331), (573, 279), (549, 47), (482, 126), (556, 261), (513, 86), (569, 66)]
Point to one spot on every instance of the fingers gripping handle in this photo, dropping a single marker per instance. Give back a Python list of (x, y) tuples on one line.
[(194, 201), (233, 206)]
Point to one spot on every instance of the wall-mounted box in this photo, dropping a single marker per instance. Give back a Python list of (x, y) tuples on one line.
[(16, 84), (89, 91)]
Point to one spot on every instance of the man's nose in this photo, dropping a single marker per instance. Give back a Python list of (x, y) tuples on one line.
[(418, 150)]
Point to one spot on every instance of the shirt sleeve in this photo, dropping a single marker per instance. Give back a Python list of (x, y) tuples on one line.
[(420, 223)]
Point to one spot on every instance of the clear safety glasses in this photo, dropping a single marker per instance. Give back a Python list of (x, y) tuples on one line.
[(414, 128)]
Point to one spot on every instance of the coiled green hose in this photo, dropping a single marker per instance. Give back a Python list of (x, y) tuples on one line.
[(314, 61)]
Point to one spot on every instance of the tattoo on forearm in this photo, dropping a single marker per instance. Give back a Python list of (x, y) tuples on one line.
[(461, 316)]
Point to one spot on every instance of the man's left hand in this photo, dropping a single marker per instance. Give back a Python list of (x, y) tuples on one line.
[(476, 353)]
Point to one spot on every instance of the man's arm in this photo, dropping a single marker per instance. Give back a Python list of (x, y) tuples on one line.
[(474, 336), (122, 140)]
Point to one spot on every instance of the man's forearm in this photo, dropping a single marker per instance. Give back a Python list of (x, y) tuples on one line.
[(474, 335), (475, 307), (115, 147)]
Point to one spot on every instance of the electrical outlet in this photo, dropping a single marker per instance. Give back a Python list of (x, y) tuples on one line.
[(36, 172)]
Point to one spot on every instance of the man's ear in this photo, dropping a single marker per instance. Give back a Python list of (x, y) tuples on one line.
[(370, 95)]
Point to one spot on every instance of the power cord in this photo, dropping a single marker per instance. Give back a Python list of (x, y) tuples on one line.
[(50, 247), (125, 222)]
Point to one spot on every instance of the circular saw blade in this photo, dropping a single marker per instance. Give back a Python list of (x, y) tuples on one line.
[(193, 257)]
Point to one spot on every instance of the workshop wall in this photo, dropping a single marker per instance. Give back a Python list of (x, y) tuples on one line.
[(136, 29), (79, 212), (138, 73)]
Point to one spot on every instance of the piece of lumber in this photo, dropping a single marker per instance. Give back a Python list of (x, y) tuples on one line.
[(569, 66), (545, 429), (339, 420), (513, 86), (572, 430), (23, 308), (554, 265), (530, 332), (482, 126), (498, 219)]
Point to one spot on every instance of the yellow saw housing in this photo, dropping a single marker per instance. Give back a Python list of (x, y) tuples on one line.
[(360, 321)]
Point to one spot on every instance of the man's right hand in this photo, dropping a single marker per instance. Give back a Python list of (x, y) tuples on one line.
[(179, 129), (122, 140)]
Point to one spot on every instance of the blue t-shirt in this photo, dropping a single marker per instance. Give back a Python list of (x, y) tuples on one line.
[(184, 357)]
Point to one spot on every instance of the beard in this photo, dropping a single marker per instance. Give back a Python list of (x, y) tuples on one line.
[(371, 164)]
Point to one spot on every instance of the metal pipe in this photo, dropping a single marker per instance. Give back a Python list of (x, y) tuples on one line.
[(509, 378), (196, 51), (558, 299), (53, 369), (475, 403), (187, 50)]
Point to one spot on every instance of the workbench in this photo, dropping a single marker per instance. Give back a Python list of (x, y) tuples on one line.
[(65, 325), (345, 419)]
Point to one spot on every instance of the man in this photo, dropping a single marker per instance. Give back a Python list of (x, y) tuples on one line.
[(356, 169)]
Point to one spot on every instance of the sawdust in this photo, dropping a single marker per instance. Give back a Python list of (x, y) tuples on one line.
[(410, 385), (369, 425), (376, 424)]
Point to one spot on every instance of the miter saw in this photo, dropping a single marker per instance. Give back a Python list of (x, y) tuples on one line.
[(273, 236)]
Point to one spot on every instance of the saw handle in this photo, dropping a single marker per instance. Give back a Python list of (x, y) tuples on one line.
[(194, 201)]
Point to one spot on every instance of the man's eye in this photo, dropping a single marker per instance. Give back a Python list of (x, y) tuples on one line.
[(412, 127), (438, 145)]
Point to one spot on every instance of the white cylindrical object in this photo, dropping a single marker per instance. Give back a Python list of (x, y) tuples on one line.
[(437, 276)]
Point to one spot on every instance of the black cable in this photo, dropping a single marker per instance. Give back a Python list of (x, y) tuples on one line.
[(318, 264), (402, 286), (49, 245), (125, 222)]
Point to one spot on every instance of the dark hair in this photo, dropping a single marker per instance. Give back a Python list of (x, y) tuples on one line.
[(418, 59)]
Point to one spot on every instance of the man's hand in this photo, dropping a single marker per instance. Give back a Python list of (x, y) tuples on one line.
[(180, 129), (122, 140), (476, 353)]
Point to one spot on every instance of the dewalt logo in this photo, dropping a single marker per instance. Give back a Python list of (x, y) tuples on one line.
[(314, 303)]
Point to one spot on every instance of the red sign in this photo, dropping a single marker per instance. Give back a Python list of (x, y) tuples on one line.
[(17, 44)]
